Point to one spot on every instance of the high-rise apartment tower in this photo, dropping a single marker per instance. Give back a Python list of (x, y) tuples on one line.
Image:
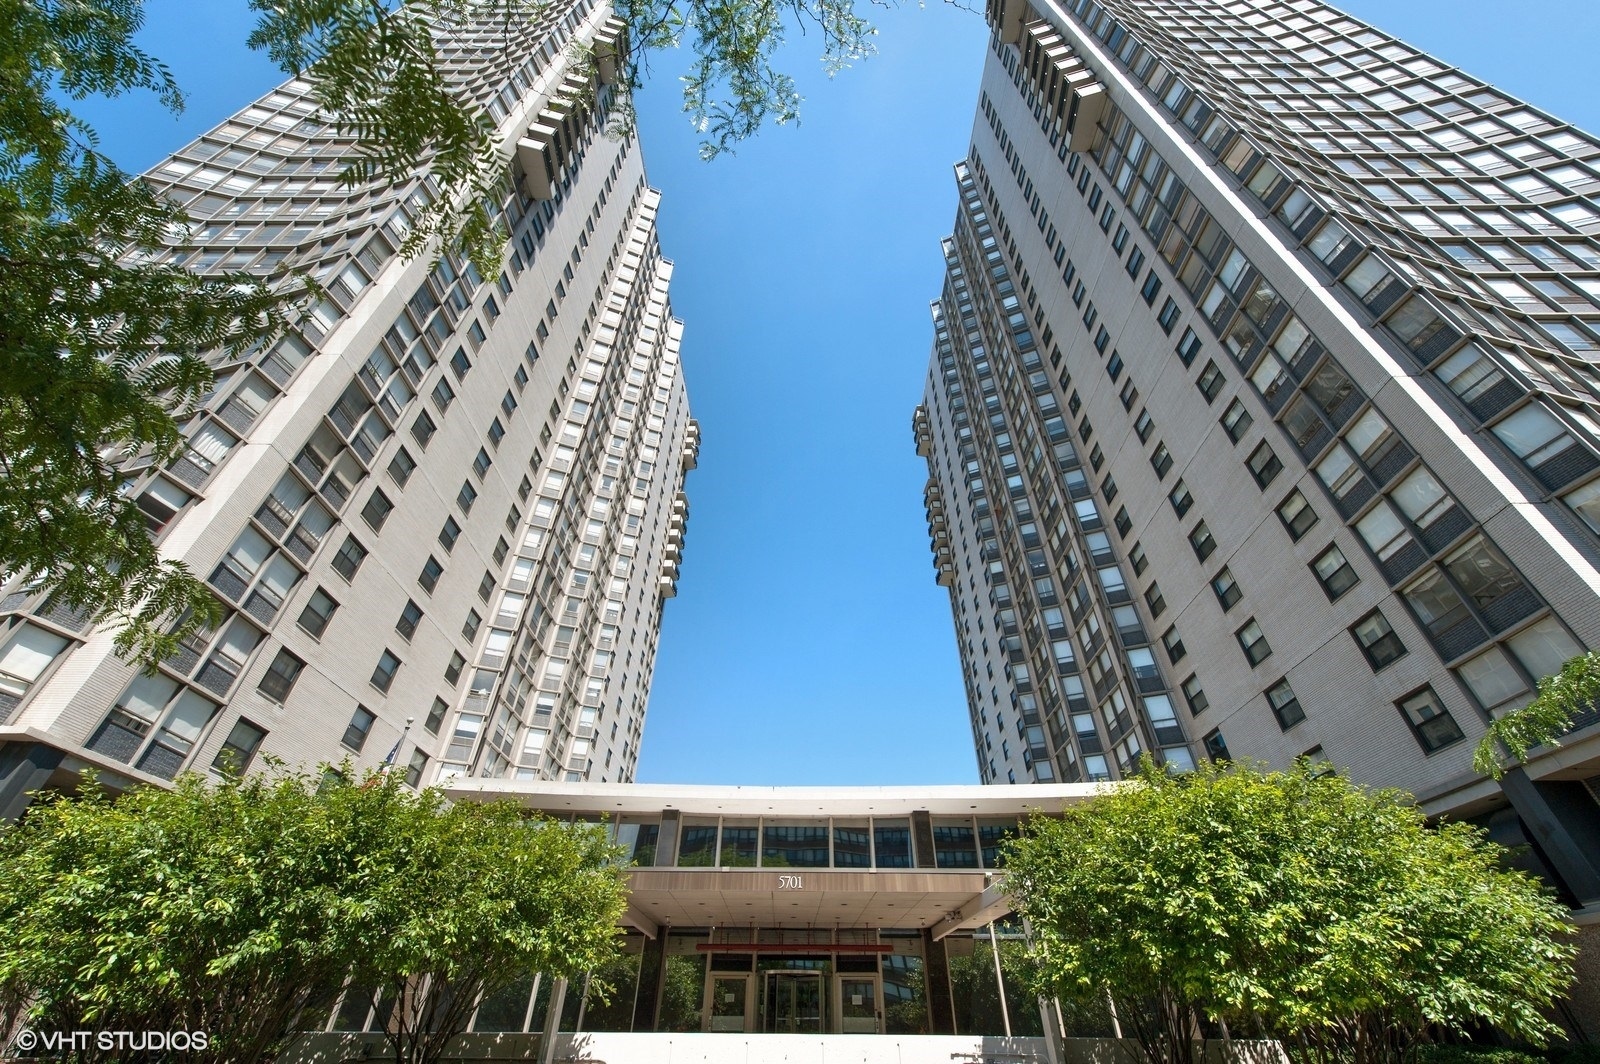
[(1264, 411), (444, 514)]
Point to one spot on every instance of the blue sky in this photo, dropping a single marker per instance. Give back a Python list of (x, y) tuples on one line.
[(808, 643)]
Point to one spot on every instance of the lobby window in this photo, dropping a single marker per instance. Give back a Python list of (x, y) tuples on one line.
[(1226, 588), (1264, 465), (1296, 514), (319, 610), (1173, 643), (1236, 421), (891, 843), (1285, 706), (1430, 722), (1195, 695), (239, 748), (1334, 573), (1253, 641), (383, 673), (360, 726), (1181, 499), (1378, 641), (1211, 381), (1200, 539), (280, 676)]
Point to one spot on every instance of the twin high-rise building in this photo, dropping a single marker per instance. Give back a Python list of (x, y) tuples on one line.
[(1263, 417), (1263, 420), (443, 515)]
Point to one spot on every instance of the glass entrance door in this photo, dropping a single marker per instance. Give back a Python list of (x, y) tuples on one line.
[(860, 1011), (794, 1003), (729, 1006)]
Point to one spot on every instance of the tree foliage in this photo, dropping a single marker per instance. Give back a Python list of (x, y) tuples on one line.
[(1561, 698), (1286, 904), (230, 908)]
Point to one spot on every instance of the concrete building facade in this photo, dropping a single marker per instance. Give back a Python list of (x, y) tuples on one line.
[(442, 515), (1263, 417)]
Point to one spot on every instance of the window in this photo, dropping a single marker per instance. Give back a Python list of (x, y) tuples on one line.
[(1334, 573), (1216, 749), (414, 770), (1264, 464), (1188, 347), (1226, 589), (1174, 645), (1122, 521), (452, 671), (377, 510), (486, 585), (481, 464), (1168, 318), (1151, 288), (1182, 501), (460, 364), (401, 466), (520, 378), (431, 571), (422, 429), (436, 715), (1378, 640), (383, 672), (501, 547), (1195, 695), (1296, 514), (1137, 559), (1114, 368), (1144, 425), (466, 497), (360, 726), (1430, 722), (1154, 599), (1211, 381), (1129, 394), (449, 533), (1201, 540), (1161, 460), (280, 676), (1236, 421), (239, 748), (443, 395), (409, 618), (348, 560), (1285, 706), (1135, 262), (469, 630), (1253, 641), (317, 613)]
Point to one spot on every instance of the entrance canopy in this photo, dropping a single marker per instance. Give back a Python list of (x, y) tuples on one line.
[(840, 858)]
